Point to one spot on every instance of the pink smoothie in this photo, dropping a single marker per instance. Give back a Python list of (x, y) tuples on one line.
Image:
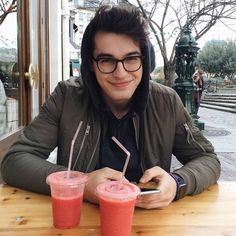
[(67, 190), (117, 203), (66, 211)]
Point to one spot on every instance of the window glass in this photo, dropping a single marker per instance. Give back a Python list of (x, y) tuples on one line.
[(9, 81)]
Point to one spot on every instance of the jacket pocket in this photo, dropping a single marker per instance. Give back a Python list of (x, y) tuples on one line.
[(196, 138)]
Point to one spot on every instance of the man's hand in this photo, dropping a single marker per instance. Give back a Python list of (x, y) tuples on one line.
[(165, 183), (97, 177)]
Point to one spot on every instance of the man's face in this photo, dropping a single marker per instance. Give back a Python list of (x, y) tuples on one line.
[(119, 86)]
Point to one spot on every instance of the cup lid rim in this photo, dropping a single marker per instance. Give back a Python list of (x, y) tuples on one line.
[(121, 196), (60, 178)]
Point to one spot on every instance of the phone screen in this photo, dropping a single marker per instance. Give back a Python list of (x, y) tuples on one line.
[(145, 191)]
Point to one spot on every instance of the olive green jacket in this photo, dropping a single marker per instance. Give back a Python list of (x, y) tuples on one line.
[(168, 129)]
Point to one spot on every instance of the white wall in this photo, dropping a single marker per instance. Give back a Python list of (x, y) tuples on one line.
[(55, 43)]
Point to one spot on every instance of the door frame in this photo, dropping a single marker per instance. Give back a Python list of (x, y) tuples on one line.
[(44, 58), (24, 60)]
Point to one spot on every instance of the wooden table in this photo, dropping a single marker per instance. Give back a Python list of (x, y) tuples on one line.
[(212, 212)]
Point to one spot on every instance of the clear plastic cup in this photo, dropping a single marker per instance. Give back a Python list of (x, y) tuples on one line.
[(67, 197), (117, 202)]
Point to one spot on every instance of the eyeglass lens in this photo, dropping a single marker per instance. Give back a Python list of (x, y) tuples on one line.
[(108, 65)]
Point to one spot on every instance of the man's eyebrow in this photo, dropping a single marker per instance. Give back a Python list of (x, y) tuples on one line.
[(134, 53), (104, 55)]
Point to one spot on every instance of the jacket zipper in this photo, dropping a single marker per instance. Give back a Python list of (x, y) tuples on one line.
[(190, 136), (137, 143), (82, 144), (135, 132), (90, 161)]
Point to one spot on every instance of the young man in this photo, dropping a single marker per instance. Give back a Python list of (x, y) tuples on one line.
[(114, 97)]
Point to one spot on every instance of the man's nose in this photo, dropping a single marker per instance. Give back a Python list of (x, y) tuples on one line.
[(120, 70)]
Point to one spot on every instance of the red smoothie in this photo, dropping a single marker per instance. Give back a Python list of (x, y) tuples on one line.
[(121, 219), (66, 211), (67, 190), (117, 203)]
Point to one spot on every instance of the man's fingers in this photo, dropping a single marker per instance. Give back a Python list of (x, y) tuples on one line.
[(152, 201), (149, 205), (151, 173), (112, 174)]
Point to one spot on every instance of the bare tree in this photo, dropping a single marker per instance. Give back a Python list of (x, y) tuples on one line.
[(167, 18), (7, 7)]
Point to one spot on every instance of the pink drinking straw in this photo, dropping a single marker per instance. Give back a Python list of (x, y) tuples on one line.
[(127, 156), (72, 148)]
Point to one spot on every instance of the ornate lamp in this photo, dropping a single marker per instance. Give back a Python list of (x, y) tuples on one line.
[(186, 53)]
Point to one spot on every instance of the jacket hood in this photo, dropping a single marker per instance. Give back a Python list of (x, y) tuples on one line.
[(140, 96)]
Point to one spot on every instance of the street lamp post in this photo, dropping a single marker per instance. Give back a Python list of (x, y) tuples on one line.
[(186, 53)]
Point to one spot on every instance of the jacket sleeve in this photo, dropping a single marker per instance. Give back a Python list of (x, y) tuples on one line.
[(201, 166), (25, 164)]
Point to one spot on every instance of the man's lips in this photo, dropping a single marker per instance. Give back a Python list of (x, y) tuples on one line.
[(121, 84)]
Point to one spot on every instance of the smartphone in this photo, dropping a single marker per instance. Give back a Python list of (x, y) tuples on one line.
[(146, 191)]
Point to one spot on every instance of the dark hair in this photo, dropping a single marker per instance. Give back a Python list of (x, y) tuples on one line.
[(122, 19), (126, 20)]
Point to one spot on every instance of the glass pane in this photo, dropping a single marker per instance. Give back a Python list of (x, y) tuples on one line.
[(9, 82)]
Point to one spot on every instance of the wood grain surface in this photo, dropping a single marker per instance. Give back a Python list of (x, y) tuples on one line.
[(212, 212)]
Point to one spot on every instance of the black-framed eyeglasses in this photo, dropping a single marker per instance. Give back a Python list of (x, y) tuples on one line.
[(108, 65)]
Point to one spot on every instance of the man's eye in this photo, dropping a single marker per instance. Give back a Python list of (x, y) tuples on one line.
[(106, 60), (132, 59)]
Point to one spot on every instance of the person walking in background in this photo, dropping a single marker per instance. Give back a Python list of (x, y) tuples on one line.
[(199, 83), (115, 97)]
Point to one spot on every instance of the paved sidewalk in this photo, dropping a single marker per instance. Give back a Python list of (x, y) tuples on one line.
[(220, 129)]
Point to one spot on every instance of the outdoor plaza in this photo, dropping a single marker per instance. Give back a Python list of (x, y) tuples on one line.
[(220, 129)]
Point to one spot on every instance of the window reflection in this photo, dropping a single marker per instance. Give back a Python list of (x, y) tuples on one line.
[(9, 83)]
